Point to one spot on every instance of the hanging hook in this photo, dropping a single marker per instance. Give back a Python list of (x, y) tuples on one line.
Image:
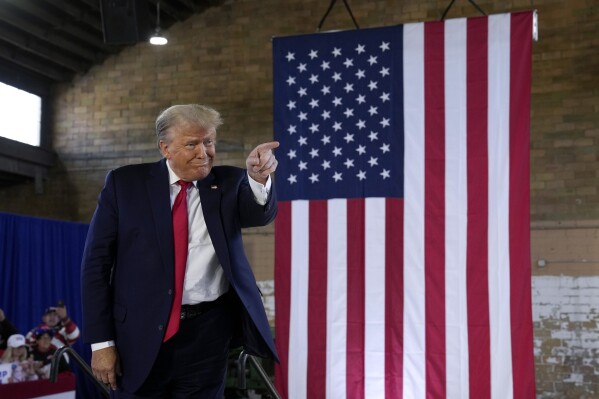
[(469, 1), (326, 14)]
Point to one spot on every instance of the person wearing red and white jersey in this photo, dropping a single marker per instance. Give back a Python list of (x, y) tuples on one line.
[(56, 318)]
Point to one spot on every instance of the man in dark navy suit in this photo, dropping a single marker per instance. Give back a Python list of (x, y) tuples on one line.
[(159, 330)]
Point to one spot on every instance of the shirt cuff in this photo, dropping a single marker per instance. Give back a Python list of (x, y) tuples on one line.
[(260, 191), (102, 345)]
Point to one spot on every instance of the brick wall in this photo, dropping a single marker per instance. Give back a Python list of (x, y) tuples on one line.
[(570, 249), (565, 295), (566, 321), (565, 121), (104, 119)]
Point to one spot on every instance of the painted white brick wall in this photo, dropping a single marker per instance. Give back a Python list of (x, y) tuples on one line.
[(565, 312), (267, 287)]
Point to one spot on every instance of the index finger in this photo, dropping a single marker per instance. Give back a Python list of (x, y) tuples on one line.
[(271, 145)]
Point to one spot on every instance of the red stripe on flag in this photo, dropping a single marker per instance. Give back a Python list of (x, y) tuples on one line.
[(477, 275), (283, 292), (317, 300), (394, 282), (519, 224), (434, 207), (355, 298)]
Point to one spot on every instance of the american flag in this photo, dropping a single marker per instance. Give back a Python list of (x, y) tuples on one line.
[(402, 253)]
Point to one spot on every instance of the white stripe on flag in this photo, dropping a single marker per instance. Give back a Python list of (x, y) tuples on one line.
[(499, 260), (456, 197), (336, 299), (298, 313), (414, 367), (374, 275)]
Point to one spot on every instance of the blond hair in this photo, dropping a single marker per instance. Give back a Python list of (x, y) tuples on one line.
[(7, 356)]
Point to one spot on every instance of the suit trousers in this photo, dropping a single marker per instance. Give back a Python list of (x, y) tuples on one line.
[(193, 363)]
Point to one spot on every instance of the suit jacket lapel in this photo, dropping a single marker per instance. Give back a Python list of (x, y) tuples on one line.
[(210, 195), (157, 186)]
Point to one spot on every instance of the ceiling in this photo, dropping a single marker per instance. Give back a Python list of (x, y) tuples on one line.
[(48, 41)]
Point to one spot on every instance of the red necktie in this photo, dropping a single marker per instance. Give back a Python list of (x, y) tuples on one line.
[(181, 238)]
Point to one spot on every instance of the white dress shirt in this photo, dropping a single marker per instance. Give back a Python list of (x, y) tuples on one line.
[(204, 276)]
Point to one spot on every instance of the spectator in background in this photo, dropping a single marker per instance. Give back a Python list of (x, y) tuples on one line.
[(16, 350), (25, 372), (43, 352), (65, 331), (6, 329), (17, 353)]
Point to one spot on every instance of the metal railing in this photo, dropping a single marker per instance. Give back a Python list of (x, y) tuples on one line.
[(242, 364), (81, 363), (242, 384)]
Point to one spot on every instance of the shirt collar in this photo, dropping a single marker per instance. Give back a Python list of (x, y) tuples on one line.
[(172, 176)]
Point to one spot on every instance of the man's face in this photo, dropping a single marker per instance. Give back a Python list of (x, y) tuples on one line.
[(190, 151), (51, 319)]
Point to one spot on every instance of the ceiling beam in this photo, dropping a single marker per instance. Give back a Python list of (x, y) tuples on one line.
[(52, 37), (19, 161), (57, 24), (42, 49), (19, 57), (25, 79), (78, 13)]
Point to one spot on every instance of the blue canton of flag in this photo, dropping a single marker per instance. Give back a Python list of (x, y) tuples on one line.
[(338, 114)]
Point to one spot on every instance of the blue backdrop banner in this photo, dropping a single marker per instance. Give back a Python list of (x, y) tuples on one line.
[(40, 262)]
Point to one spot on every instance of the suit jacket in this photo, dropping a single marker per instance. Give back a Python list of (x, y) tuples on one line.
[(128, 262)]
